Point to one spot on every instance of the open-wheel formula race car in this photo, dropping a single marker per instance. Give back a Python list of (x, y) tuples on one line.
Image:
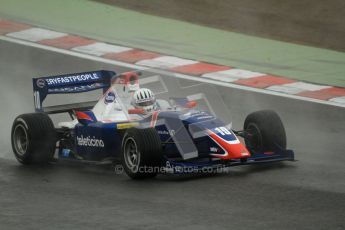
[(174, 138)]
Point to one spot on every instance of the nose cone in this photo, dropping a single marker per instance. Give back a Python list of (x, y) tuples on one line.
[(232, 147)]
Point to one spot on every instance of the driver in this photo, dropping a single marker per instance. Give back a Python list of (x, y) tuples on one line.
[(144, 99)]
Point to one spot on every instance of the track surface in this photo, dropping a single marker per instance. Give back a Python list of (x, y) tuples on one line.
[(308, 194)]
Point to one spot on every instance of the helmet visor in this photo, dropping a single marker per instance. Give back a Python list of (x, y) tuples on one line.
[(146, 103)]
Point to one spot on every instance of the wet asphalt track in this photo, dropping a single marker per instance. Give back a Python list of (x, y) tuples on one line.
[(308, 194)]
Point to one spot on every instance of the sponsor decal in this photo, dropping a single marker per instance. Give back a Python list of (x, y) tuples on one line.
[(199, 115), (127, 125), (214, 149), (204, 117), (165, 132), (37, 100), (109, 98), (40, 83), (74, 88), (71, 79), (90, 141)]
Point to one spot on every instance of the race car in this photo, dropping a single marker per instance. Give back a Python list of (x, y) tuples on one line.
[(173, 136)]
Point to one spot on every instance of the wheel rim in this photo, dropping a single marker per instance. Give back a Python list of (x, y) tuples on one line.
[(20, 139), (254, 139), (132, 155)]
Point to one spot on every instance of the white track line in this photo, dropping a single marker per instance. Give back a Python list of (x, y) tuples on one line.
[(164, 72)]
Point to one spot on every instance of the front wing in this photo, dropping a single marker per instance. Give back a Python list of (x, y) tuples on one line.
[(183, 167)]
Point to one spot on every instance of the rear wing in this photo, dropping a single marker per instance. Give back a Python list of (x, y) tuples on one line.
[(69, 83)]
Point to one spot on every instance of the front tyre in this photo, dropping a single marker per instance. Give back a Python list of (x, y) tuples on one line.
[(33, 138), (141, 153), (264, 132)]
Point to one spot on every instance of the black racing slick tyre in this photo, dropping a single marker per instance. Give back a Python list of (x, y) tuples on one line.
[(33, 138), (141, 153), (264, 132)]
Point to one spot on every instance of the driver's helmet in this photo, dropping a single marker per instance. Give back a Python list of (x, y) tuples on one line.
[(144, 99)]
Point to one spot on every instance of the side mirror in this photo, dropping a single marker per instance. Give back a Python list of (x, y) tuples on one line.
[(136, 111), (191, 104)]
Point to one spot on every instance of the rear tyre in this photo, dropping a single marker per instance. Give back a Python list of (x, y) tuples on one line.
[(141, 153), (264, 132), (33, 138)]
